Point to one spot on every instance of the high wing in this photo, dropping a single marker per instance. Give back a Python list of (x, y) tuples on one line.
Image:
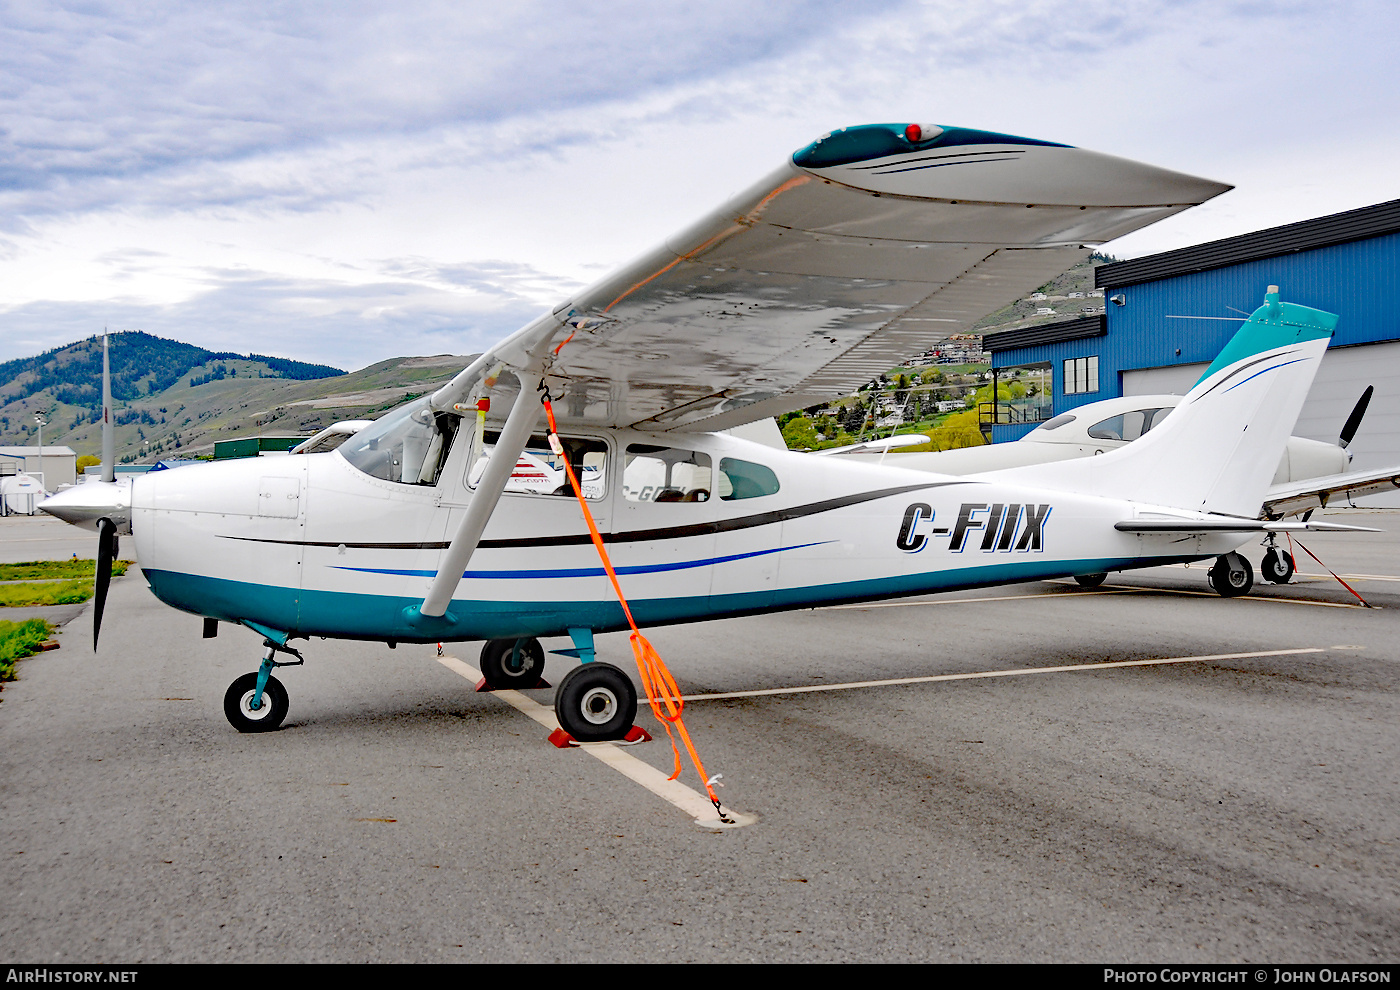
[(1298, 496), (865, 248)]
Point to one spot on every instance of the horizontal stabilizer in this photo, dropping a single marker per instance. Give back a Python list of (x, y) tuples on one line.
[(1204, 526)]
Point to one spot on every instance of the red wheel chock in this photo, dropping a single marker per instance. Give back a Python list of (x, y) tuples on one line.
[(635, 735), (481, 685)]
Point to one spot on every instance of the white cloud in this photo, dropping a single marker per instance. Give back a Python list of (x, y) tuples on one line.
[(342, 183)]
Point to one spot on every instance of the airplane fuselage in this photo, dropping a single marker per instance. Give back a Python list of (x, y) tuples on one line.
[(309, 545)]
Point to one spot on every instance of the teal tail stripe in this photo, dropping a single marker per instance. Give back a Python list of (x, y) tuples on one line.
[(1273, 325)]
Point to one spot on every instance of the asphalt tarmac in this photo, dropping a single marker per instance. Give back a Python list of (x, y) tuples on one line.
[(1242, 808)]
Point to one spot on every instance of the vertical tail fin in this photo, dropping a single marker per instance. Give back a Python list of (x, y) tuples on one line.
[(1218, 450)]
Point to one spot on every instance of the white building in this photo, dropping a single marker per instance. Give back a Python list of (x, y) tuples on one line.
[(58, 466)]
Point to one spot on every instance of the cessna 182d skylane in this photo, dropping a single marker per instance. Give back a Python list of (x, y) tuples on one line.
[(867, 246)]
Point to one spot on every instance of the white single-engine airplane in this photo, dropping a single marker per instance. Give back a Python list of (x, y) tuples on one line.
[(867, 246)]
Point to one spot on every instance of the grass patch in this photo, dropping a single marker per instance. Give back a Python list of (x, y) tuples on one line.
[(19, 640), (32, 593), (39, 569)]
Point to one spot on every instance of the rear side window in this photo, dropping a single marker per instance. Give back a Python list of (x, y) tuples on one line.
[(745, 479), (665, 474)]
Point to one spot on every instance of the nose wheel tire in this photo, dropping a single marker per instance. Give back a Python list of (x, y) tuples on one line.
[(238, 704), (1231, 575), (1277, 566), (504, 667), (1089, 580), (596, 702)]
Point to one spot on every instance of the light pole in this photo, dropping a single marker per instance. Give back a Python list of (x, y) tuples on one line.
[(39, 418)]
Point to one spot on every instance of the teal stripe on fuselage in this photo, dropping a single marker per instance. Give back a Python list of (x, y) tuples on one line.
[(351, 615)]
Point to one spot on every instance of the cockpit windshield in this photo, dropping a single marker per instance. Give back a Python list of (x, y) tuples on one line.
[(407, 445)]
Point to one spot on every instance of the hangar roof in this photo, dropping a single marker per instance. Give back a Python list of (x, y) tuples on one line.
[(1339, 228)]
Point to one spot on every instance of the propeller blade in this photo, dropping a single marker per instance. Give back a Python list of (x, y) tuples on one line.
[(1354, 420), (106, 551)]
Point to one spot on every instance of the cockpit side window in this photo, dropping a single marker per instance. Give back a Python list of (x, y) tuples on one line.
[(745, 479), (665, 474), (407, 446), (1128, 426), (540, 471), (1057, 422)]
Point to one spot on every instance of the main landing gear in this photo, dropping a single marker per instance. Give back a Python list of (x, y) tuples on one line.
[(257, 702), (596, 702), (513, 664), (1231, 575)]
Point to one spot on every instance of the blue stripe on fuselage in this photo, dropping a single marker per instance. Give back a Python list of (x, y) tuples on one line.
[(581, 572)]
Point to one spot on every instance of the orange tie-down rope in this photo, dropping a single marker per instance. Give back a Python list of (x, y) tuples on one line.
[(663, 694)]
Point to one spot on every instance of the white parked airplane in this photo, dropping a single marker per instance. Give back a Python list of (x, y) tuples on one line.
[(1309, 474), (867, 246)]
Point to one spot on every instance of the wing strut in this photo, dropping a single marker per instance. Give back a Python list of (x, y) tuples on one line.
[(511, 444)]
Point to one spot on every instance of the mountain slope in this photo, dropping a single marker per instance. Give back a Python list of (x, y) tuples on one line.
[(174, 400)]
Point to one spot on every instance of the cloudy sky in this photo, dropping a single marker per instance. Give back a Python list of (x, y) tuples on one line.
[(345, 182)]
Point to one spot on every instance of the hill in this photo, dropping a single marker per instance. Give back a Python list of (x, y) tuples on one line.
[(175, 399)]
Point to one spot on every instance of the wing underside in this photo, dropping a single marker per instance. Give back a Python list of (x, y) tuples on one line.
[(1310, 493), (863, 250)]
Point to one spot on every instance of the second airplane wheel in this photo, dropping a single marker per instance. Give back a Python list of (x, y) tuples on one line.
[(596, 702), (503, 666), (1090, 580), (1231, 575), (1277, 566)]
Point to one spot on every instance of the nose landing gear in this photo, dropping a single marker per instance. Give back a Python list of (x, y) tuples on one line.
[(257, 702), (1277, 566)]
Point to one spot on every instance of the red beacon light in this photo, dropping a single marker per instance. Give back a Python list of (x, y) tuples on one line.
[(917, 133)]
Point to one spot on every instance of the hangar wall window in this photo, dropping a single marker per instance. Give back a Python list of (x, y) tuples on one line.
[(1081, 375)]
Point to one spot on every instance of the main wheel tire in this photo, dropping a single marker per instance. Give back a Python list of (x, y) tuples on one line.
[(1090, 580), (503, 668), (239, 698), (1277, 566), (1231, 575), (596, 702)]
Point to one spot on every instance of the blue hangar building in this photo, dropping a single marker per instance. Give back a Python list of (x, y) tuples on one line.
[(1167, 315)]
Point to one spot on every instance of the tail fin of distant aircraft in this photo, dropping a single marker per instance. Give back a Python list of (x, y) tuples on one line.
[(1218, 450)]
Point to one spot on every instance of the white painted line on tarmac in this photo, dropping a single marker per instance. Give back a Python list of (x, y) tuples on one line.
[(1116, 590), (1238, 598), (1014, 672), (690, 801)]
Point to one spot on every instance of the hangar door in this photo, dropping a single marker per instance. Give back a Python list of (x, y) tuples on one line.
[(1344, 375)]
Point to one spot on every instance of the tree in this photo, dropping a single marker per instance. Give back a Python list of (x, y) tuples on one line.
[(800, 434)]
